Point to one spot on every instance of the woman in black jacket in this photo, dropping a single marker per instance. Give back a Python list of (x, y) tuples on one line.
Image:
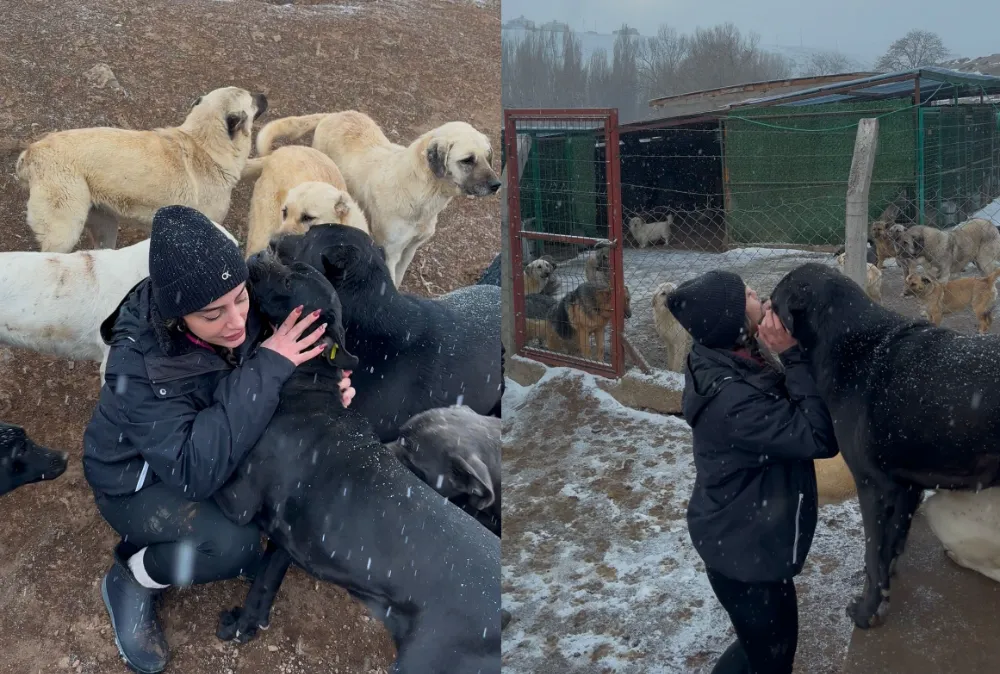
[(191, 384), (753, 510)]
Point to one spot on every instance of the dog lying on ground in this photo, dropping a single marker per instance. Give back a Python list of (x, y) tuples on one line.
[(675, 338), (646, 233), (337, 503), (584, 311), (597, 264), (540, 276), (274, 176), (23, 462), (418, 353), (54, 303), (92, 177), (873, 278), (914, 407), (401, 189), (968, 525), (457, 453), (979, 295), (949, 251)]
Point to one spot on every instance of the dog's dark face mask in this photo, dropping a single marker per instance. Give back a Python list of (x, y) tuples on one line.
[(279, 288), (23, 462)]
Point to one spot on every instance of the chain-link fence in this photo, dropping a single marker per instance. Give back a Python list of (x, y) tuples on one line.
[(758, 193)]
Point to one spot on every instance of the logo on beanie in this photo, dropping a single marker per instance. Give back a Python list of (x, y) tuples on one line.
[(226, 275)]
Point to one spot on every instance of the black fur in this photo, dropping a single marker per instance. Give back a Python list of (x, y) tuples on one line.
[(261, 101), (559, 317), (23, 462), (437, 159), (333, 500), (234, 121), (914, 407), (416, 353)]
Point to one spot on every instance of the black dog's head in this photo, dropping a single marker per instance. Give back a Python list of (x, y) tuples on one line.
[(23, 462), (279, 288), (346, 255), (813, 300)]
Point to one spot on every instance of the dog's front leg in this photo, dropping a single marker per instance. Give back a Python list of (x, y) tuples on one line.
[(242, 624), (907, 500)]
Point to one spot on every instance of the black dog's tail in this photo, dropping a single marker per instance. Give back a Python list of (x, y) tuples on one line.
[(491, 276)]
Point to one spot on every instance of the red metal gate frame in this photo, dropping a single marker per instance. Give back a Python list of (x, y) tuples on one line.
[(609, 117)]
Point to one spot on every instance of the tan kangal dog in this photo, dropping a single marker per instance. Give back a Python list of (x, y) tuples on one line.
[(873, 279), (675, 338), (968, 525), (940, 299), (949, 251), (91, 177), (316, 203), (401, 189), (274, 176), (540, 276)]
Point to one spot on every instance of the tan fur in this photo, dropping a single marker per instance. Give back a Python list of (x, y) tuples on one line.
[(401, 189), (589, 309), (834, 481), (940, 299), (948, 252), (539, 276), (597, 264), (873, 279), (278, 173), (675, 338), (316, 203), (646, 233), (91, 177), (968, 525)]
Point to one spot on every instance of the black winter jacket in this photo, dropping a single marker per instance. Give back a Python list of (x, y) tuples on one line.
[(173, 411), (752, 514)]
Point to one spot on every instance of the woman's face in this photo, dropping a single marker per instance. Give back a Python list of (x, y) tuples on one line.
[(224, 321), (755, 310)]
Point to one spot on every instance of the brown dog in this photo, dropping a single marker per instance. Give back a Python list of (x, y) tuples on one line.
[(582, 312), (940, 299)]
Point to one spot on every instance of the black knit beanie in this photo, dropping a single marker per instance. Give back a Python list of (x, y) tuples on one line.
[(712, 307), (191, 263)]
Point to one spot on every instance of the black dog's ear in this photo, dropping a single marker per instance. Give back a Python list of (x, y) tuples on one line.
[(336, 260), (471, 476), (437, 158), (336, 355), (235, 121)]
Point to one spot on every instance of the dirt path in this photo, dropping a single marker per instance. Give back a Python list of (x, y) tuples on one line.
[(598, 568), (411, 65)]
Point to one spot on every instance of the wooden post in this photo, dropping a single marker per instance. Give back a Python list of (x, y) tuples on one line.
[(507, 276), (858, 184)]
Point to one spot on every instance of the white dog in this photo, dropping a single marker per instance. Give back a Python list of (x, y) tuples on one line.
[(675, 338), (646, 233), (54, 303), (873, 278), (968, 525)]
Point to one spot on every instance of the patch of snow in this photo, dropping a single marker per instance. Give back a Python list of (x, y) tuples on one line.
[(599, 571), (990, 211)]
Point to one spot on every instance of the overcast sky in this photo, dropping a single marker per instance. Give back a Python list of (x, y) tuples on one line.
[(968, 27)]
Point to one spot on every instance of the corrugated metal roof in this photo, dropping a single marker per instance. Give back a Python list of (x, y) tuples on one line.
[(934, 83)]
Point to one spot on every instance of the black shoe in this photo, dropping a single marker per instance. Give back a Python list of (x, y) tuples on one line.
[(132, 609)]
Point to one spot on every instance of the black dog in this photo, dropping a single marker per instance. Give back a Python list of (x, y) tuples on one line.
[(914, 407), (334, 500), (417, 354), (457, 452), (23, 462)]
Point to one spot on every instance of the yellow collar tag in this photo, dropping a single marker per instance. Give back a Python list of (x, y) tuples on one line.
[(333, 352)]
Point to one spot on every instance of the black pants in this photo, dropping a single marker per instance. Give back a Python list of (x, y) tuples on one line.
[(766, 619), (189, 542)]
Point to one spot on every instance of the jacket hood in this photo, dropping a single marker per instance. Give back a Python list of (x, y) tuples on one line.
[(709, 370)]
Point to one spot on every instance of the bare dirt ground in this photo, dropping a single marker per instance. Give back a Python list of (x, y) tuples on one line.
[(411, 65)]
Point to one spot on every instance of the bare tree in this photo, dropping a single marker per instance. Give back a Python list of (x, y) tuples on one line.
[(570, 87), (827, 63), (599, 91), (660, 61), (915, 49), (625, 73)]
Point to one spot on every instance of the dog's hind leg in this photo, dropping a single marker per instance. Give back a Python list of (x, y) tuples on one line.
[(103, 226), (242, 624), (57, 212)]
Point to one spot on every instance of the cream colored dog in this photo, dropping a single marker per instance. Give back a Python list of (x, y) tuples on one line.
[(316, 203), (873, 279), (968, 525), (401, 189), (949, 251), (646, 233), (275, 175), (675, 338), (91, 177)]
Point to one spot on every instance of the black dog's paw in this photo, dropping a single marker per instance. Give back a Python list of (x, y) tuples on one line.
[(868, 610), (236, 625)]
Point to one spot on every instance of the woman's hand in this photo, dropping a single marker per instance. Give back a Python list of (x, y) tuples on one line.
[(346, 390), (772, 332), (287, 340)]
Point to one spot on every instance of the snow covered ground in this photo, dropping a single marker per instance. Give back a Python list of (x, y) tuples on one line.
[(598, 568), (990, 211)]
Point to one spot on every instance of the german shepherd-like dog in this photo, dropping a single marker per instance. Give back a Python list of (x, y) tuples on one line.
[(582, 312)]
